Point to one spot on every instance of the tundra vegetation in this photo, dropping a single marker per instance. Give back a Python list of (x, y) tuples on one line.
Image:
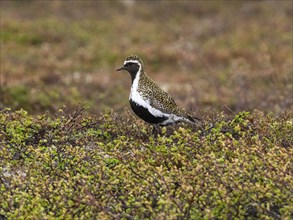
[(70, 148)]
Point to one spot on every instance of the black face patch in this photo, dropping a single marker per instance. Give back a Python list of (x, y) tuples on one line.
[(132, 68), (144, 114)]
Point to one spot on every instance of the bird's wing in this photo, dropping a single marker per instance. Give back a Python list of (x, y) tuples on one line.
[(162, 101), (165, 104)]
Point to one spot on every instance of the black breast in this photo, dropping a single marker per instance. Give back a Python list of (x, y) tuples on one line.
[(144, 114)]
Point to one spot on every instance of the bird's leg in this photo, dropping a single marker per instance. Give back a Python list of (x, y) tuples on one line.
[(156, 130), (154, 133)]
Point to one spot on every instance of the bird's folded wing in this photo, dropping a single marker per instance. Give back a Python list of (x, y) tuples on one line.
[(164, 102)]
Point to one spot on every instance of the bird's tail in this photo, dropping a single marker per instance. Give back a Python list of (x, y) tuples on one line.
[(193, 119)]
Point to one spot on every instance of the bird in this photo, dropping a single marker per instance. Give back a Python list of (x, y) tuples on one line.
[(148, 101)]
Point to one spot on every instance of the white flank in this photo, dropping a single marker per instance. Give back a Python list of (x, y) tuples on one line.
[(137, 98)]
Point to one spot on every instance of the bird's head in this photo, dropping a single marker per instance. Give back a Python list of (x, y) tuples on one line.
[(133, 64)]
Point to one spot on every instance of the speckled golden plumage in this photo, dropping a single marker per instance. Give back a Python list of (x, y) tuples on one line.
[(158, 98), (148, 100)]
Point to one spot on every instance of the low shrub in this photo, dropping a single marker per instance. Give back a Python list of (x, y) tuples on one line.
[(109, 166)]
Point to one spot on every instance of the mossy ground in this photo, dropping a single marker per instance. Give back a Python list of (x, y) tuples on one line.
[(68, 162)]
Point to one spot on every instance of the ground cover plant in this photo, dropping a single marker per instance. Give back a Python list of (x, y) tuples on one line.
[(227, 63), (79, 166)]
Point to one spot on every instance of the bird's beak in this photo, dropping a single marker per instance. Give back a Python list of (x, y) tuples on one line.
[(122, 68)]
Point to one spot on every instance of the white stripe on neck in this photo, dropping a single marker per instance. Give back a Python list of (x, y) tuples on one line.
[(134, 86)]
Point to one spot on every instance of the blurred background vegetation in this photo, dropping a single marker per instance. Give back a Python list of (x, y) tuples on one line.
[(210, 55)]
